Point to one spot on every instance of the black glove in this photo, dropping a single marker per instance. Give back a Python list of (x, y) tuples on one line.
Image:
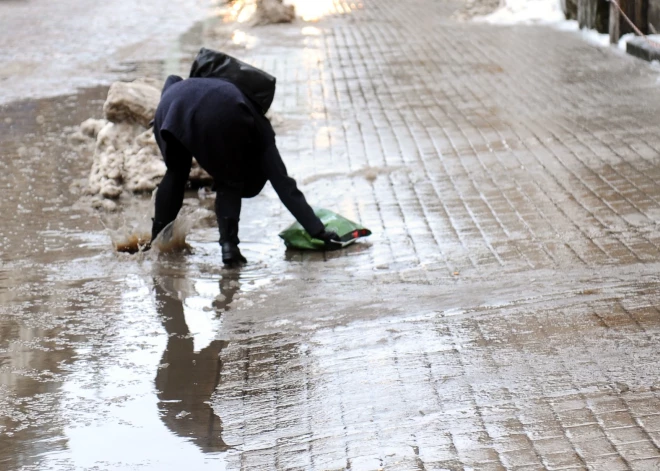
[(330, 238)]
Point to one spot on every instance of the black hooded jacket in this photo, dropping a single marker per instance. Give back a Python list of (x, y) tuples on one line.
[(231, 139)]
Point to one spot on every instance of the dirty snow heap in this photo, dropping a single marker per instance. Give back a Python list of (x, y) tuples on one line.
[(126, 156), (273, 11)]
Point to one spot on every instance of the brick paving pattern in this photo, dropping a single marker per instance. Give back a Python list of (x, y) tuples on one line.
[(510, 308), (504, 314)]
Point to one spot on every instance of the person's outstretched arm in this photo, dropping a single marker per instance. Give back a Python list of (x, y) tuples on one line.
[(169, 196), (288, 191)]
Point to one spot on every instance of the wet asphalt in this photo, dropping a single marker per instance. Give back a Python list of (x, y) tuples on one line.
[(502, 316)]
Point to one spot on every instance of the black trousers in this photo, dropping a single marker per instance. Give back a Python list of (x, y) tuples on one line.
[(169, 197)]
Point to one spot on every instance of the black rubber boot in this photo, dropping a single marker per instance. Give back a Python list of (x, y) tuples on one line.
[(156, 228), (231, 255)]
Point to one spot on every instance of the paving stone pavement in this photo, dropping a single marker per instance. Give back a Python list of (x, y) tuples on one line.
[(505, 313), (502, 316)]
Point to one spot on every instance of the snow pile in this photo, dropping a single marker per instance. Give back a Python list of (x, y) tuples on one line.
[(92, 127), (526, 12), (591, 35), (545, 12), (259, 12), (273, 11), (594, 37), (132, 102), (126, 156)]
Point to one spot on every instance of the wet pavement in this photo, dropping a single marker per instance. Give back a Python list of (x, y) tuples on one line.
[(503, 315), (52, 48)]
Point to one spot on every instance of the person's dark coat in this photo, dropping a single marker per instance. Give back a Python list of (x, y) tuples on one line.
[(212, 120)]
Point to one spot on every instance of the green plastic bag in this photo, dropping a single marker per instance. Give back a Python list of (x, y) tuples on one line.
[(296, 237)]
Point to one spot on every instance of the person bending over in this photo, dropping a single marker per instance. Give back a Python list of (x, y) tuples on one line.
[(212, 120)]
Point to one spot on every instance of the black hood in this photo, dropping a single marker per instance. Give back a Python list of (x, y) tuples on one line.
[(171, 80)]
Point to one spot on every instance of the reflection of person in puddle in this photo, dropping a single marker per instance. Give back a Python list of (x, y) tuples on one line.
[(186, 379), (234, 142)]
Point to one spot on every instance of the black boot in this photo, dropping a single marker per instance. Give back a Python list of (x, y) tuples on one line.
[(231, 255), (156, 228)]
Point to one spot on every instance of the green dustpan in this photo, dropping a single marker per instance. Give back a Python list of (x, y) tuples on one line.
[(295, 237)]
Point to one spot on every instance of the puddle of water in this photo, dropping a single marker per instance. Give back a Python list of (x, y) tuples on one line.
[(173, 237), (241, 38), (4, 277), (130, 230), (370, 174), (86, 333), (130, 241), (153, 385), (109, 360)]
